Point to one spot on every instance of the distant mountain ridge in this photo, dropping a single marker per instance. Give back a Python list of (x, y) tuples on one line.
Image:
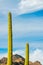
[(17, 60)]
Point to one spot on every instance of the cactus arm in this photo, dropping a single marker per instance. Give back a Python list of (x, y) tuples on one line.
[(9, 61), (27, 54)]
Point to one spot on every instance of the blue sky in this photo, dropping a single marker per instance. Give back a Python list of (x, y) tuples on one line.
[(27, 22)]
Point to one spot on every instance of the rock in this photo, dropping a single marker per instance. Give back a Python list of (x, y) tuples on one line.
[(4, 60), (30, 63), (37, 63)]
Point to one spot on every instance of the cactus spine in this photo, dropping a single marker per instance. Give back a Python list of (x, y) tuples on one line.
[(9, 61), (27, 54)]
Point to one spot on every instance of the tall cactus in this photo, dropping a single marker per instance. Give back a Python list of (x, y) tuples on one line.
[(27, 54), (9, 61)]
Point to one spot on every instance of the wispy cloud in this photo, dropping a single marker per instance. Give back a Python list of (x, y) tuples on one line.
[(23, 6), (30, 31), (29, 6), (22, 29)]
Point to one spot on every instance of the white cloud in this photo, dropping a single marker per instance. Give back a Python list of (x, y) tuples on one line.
[(29, 6), (37, 55), (19, 52)]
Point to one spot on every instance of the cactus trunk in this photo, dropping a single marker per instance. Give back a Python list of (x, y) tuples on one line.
[(27, 55), (9, 61)]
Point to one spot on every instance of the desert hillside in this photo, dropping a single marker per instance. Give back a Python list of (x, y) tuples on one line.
[(17, 60)]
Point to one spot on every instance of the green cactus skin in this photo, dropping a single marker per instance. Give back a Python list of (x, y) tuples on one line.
[(27, 54), (9, 61)]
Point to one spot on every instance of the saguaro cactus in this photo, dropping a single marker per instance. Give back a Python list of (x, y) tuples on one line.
[(9, 61), (27, 54)]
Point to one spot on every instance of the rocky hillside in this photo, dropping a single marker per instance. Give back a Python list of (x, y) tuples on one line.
[(17, 60)]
